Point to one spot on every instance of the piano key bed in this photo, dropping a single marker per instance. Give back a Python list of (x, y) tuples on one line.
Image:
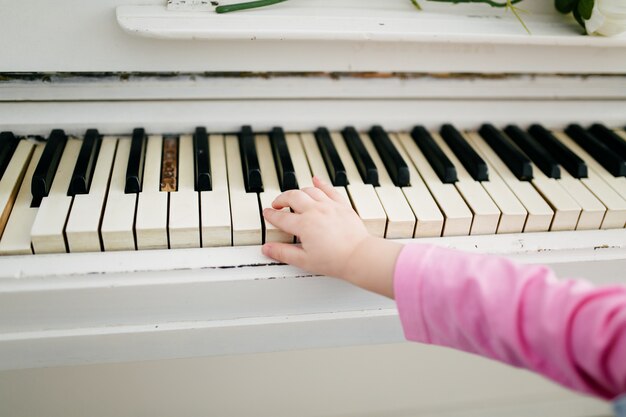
[(108, 199), (110, 193)]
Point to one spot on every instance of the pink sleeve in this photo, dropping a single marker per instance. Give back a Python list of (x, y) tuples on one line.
[(566, 330)]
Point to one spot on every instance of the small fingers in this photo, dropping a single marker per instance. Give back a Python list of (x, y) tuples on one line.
[(330, 191), (316, 194), (294, 199), (284, 220), (285, 253)]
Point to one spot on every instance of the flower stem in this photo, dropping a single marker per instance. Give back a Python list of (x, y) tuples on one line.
[(514, 10), (248, 5), (492, 3)]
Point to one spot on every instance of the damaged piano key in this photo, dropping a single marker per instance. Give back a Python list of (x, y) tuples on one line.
[(169, 164), (250, 161), (8, 143), (605, 156), (515, 160), (396, 166), (282, 160), (202, 160), (361, 157), (336, 170), (134, 168), (438, 160), (472, 162), (544, 161), (86, 163), (568, 159), (47, 166)]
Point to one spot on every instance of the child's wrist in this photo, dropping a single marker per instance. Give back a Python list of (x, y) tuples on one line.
[(371, 265)]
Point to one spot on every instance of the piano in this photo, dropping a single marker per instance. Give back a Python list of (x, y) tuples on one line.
[(140, 140)]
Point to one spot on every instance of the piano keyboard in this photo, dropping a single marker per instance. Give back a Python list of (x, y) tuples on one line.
[(144, 191)]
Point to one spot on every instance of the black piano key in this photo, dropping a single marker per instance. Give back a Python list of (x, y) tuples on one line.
[(396, 166), (612, 162), (336, 170), (564, 156), (515, 160), (250, 161), (47, 166), (85, 164), (473, 163), (136, 158), (362, 158), (445, 169), (282, 160), (8, 144), (609, 138), (541, 157), (202, 160)]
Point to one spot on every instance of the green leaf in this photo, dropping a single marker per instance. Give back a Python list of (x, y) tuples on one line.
[(585, 7), (565, 6), (578, 18)]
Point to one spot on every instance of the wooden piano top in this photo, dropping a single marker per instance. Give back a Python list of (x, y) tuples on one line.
[(299, 35)]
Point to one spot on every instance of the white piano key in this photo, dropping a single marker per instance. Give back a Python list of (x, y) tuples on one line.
[(151, 219), (592, 210), (84, 219), (184, 207), (215, 219), (568, 213), (615, 217), (485, 212), (314, 156), (316, 162), (271, 188), (12, 180), (47, 232), (119, 212), (566, 210), (513, 214), (540, 214), (429, 219), (363, 197), (400, 217), (16, 237), (298, 158), (617, 183), (246, 218), (615, 204), (458, 217)]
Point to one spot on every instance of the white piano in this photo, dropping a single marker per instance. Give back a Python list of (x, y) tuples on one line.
[(164, 304)]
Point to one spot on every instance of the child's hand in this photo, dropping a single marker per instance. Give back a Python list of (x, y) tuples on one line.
[(330, 231), (334, 239)]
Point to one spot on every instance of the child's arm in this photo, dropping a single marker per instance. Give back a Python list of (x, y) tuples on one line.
[(568, 331)]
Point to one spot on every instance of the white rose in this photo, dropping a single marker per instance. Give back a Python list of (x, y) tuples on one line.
[(608, 18)]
